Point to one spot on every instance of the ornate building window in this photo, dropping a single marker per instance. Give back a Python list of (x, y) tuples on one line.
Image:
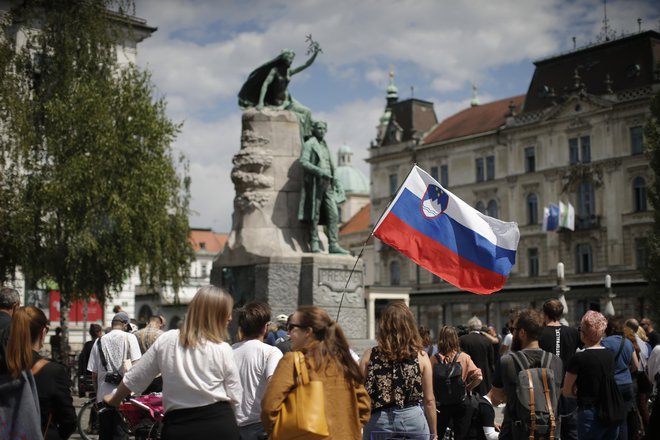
[(583, 258), (490, 167), (530, 159), (479, 164), (480, 207), (394, 183), (639, 194), (579, 150), (444, 175), (434, 172), (395, 273), (533, 262), (586, 205), (532, 209), (636, 140), (641, 253), (492, 209)]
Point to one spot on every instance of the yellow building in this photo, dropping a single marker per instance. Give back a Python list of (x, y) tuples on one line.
[(574, 137)]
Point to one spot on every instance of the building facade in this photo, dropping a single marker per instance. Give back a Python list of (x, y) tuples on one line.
[(575, 137)]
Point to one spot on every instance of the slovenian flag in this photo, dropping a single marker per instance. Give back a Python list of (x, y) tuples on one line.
[(446, 236), (550, 218)]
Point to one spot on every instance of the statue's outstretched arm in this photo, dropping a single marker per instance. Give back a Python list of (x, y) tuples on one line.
[(306, 65), (264, 88)]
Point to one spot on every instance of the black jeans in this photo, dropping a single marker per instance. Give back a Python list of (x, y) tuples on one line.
[(111, 426), (460, 415)]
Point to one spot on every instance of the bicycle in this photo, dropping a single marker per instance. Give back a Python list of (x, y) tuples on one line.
[(142, 417)]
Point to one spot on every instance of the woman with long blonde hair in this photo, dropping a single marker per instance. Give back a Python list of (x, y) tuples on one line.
[(200, 379), (398, 376), (328, 358)]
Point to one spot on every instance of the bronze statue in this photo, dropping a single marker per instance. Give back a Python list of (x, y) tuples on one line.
[(268, 85), (321, 191)]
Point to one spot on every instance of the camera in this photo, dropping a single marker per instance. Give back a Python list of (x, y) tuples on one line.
[(113, 378)]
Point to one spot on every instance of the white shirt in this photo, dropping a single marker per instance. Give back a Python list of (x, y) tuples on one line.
[(653, 365), (114, 349), (508, 339), (256, 363), (191, 377)]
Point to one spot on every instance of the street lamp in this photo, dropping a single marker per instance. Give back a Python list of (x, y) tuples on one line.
[(562, 288), (609, 307)]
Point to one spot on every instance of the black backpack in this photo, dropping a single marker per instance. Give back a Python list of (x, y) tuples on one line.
[(448, 385), (535, 412)]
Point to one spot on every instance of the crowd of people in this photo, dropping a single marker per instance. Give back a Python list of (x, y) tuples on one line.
[(408, 382)]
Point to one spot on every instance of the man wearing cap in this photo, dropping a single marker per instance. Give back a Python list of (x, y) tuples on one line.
[(106, 363), (10, 300)]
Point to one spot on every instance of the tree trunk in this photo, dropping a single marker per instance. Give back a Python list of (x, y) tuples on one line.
[(65, 307)]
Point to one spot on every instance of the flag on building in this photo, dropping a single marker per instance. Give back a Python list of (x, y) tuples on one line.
[(567, 216), (550, 217), (448, 237)]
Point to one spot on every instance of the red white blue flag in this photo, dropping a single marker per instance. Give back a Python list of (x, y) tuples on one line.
[(446, 236)]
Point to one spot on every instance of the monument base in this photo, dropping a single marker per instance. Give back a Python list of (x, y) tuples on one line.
[(286, 282)]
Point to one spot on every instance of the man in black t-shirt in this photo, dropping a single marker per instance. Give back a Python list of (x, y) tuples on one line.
[(526, 332), (562, 341)]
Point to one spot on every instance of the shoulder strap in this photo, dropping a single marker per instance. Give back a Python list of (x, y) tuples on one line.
[(300, 368), (456, 357), (520, 361), (618, 353), (38, 366), (104, 361)]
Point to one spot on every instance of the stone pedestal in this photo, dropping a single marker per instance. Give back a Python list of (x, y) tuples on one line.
[(267, 256)]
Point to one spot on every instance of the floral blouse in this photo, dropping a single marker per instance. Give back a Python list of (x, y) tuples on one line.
[(391, 383)]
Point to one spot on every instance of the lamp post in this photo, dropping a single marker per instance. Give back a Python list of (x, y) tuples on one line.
[(562, 288), (609, 307)]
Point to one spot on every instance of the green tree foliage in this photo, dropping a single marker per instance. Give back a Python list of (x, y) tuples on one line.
[(89, 188), (652, 143)]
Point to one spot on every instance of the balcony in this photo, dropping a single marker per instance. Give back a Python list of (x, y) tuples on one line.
[(583, 223)]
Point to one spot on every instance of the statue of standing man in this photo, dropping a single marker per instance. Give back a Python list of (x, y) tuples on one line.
[(321, 191), (268, 85)]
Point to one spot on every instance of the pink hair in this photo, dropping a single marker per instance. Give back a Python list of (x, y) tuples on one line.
[(593, 326)]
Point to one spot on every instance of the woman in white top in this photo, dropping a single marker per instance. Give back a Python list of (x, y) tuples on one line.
[(200, 378)]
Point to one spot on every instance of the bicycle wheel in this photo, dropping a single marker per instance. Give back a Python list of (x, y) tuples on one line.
[(88, 425)]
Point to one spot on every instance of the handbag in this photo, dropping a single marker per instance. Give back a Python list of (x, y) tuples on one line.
[(302, 414)]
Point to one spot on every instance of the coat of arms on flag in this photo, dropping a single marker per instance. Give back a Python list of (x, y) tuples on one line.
[(434, 202)]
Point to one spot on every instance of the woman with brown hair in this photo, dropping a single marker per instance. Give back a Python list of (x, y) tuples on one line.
[(200, 378), (329, 360), (459, 413), (29, 327), (398, 376)]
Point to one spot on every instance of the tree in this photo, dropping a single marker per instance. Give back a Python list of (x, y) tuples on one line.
[(652, 143), (91, 185)]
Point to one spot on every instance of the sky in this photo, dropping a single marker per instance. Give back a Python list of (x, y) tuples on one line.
[(204, 50)]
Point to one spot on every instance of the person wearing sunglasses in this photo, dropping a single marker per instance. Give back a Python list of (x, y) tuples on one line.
[(328, 359)]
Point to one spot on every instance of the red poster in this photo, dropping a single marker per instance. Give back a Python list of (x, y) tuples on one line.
[(76, 314)]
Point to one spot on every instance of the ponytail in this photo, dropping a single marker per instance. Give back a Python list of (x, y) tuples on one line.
[(26, 324), (330, 343)]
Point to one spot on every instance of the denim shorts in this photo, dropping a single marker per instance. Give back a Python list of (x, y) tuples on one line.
[(409, 419)]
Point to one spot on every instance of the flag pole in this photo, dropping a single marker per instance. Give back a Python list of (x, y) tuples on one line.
[(343, 293)]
